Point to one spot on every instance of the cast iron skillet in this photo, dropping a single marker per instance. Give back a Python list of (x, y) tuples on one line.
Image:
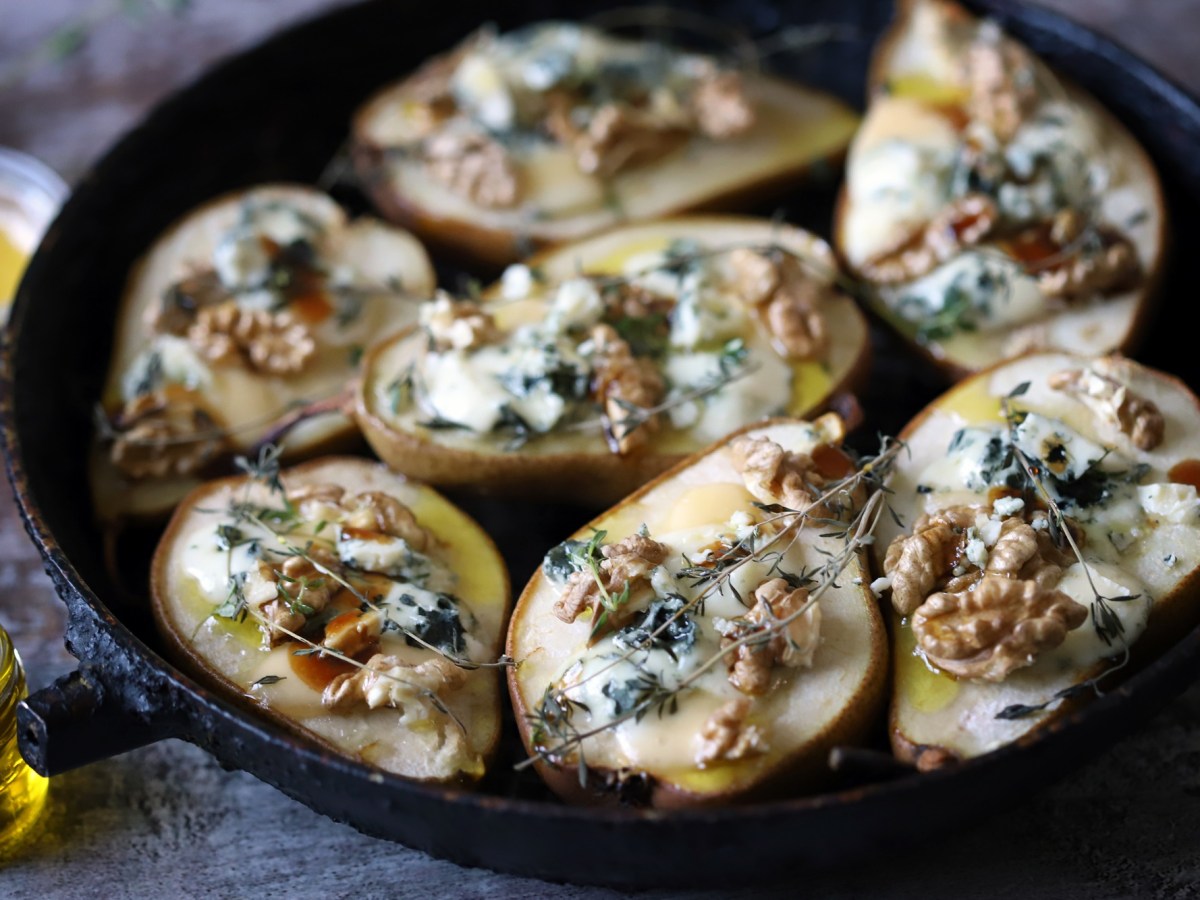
[(280, 112)]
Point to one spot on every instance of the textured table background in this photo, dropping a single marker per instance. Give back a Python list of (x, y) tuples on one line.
[(167, 821)]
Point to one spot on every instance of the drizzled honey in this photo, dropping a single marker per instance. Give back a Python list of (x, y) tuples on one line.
[(22, 790)]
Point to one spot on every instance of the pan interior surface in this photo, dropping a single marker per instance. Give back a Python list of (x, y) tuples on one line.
[(272, 114)]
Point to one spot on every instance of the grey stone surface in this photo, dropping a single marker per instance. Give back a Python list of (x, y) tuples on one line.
[(166, 821)]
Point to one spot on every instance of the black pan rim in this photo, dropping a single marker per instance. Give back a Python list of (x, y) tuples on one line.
[(1181, 662)]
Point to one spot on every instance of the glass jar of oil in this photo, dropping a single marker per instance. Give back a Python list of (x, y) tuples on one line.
[(22, 790), (30, 195)]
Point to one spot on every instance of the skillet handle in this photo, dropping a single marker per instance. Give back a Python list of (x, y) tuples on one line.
[(77, 720)]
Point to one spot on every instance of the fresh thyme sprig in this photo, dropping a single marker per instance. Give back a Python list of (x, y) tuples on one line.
[(290, 414), (1107, 624), (553, 718), (265, 469), (312, 647)]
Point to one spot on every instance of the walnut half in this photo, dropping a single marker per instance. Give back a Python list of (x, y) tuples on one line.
[(389, 681), (964, 222), (1002, 81), (720, 105), (474, 166), (627, 562), (627, 387), (383, 513), (917, 562), (163, 433), (787, 299), (773, 643), (775, 475), (287, 594), (458, 324), (1102, 389), (274, 343), (725, 735), (999, 626)]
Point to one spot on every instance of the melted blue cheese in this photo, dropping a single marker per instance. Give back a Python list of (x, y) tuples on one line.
[(482, 389), (903, 180), (755, 394), (1054, 160), (385, 554), (170, 360), (242, 258), (416, 599), (1095, 486), (609, 685), (976, 289), (501, 82), (538, 378)]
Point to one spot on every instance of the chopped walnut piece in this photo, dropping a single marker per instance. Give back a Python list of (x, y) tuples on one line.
[(458, 324), (998, 627), (1026, 339), (1102, 389), (917, 562), (474, 166), (775, 475), (270, 342), (167, 432), (353, 632), (627, 299), (720, 105), (174, 311), (756, 276), (286, 595), (313, 499), (624, 385), (1016, 546), (725, 736), (627, 562), (616, 136), (936, 556), (787, 298), (325, 493), (1002, 82), (377, 511), (964, 222), (261, 590), (1092, 271), (793, 645), (389, 681), (1026, 553)]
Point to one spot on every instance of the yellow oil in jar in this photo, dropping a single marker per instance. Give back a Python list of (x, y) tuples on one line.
[(22, 790), (12, 264)]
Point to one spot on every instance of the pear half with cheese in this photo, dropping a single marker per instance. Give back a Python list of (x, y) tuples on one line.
[(991, 208), (598, 365), (252, 305), (699, 644), (1015, 593), (558, 131), (346, 604)]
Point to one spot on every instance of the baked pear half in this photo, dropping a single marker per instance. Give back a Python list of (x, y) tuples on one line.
[(250, 306), (992, 208), (1050, 543), (709, 639), (558, 131), (596, 366), (345, 603)]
